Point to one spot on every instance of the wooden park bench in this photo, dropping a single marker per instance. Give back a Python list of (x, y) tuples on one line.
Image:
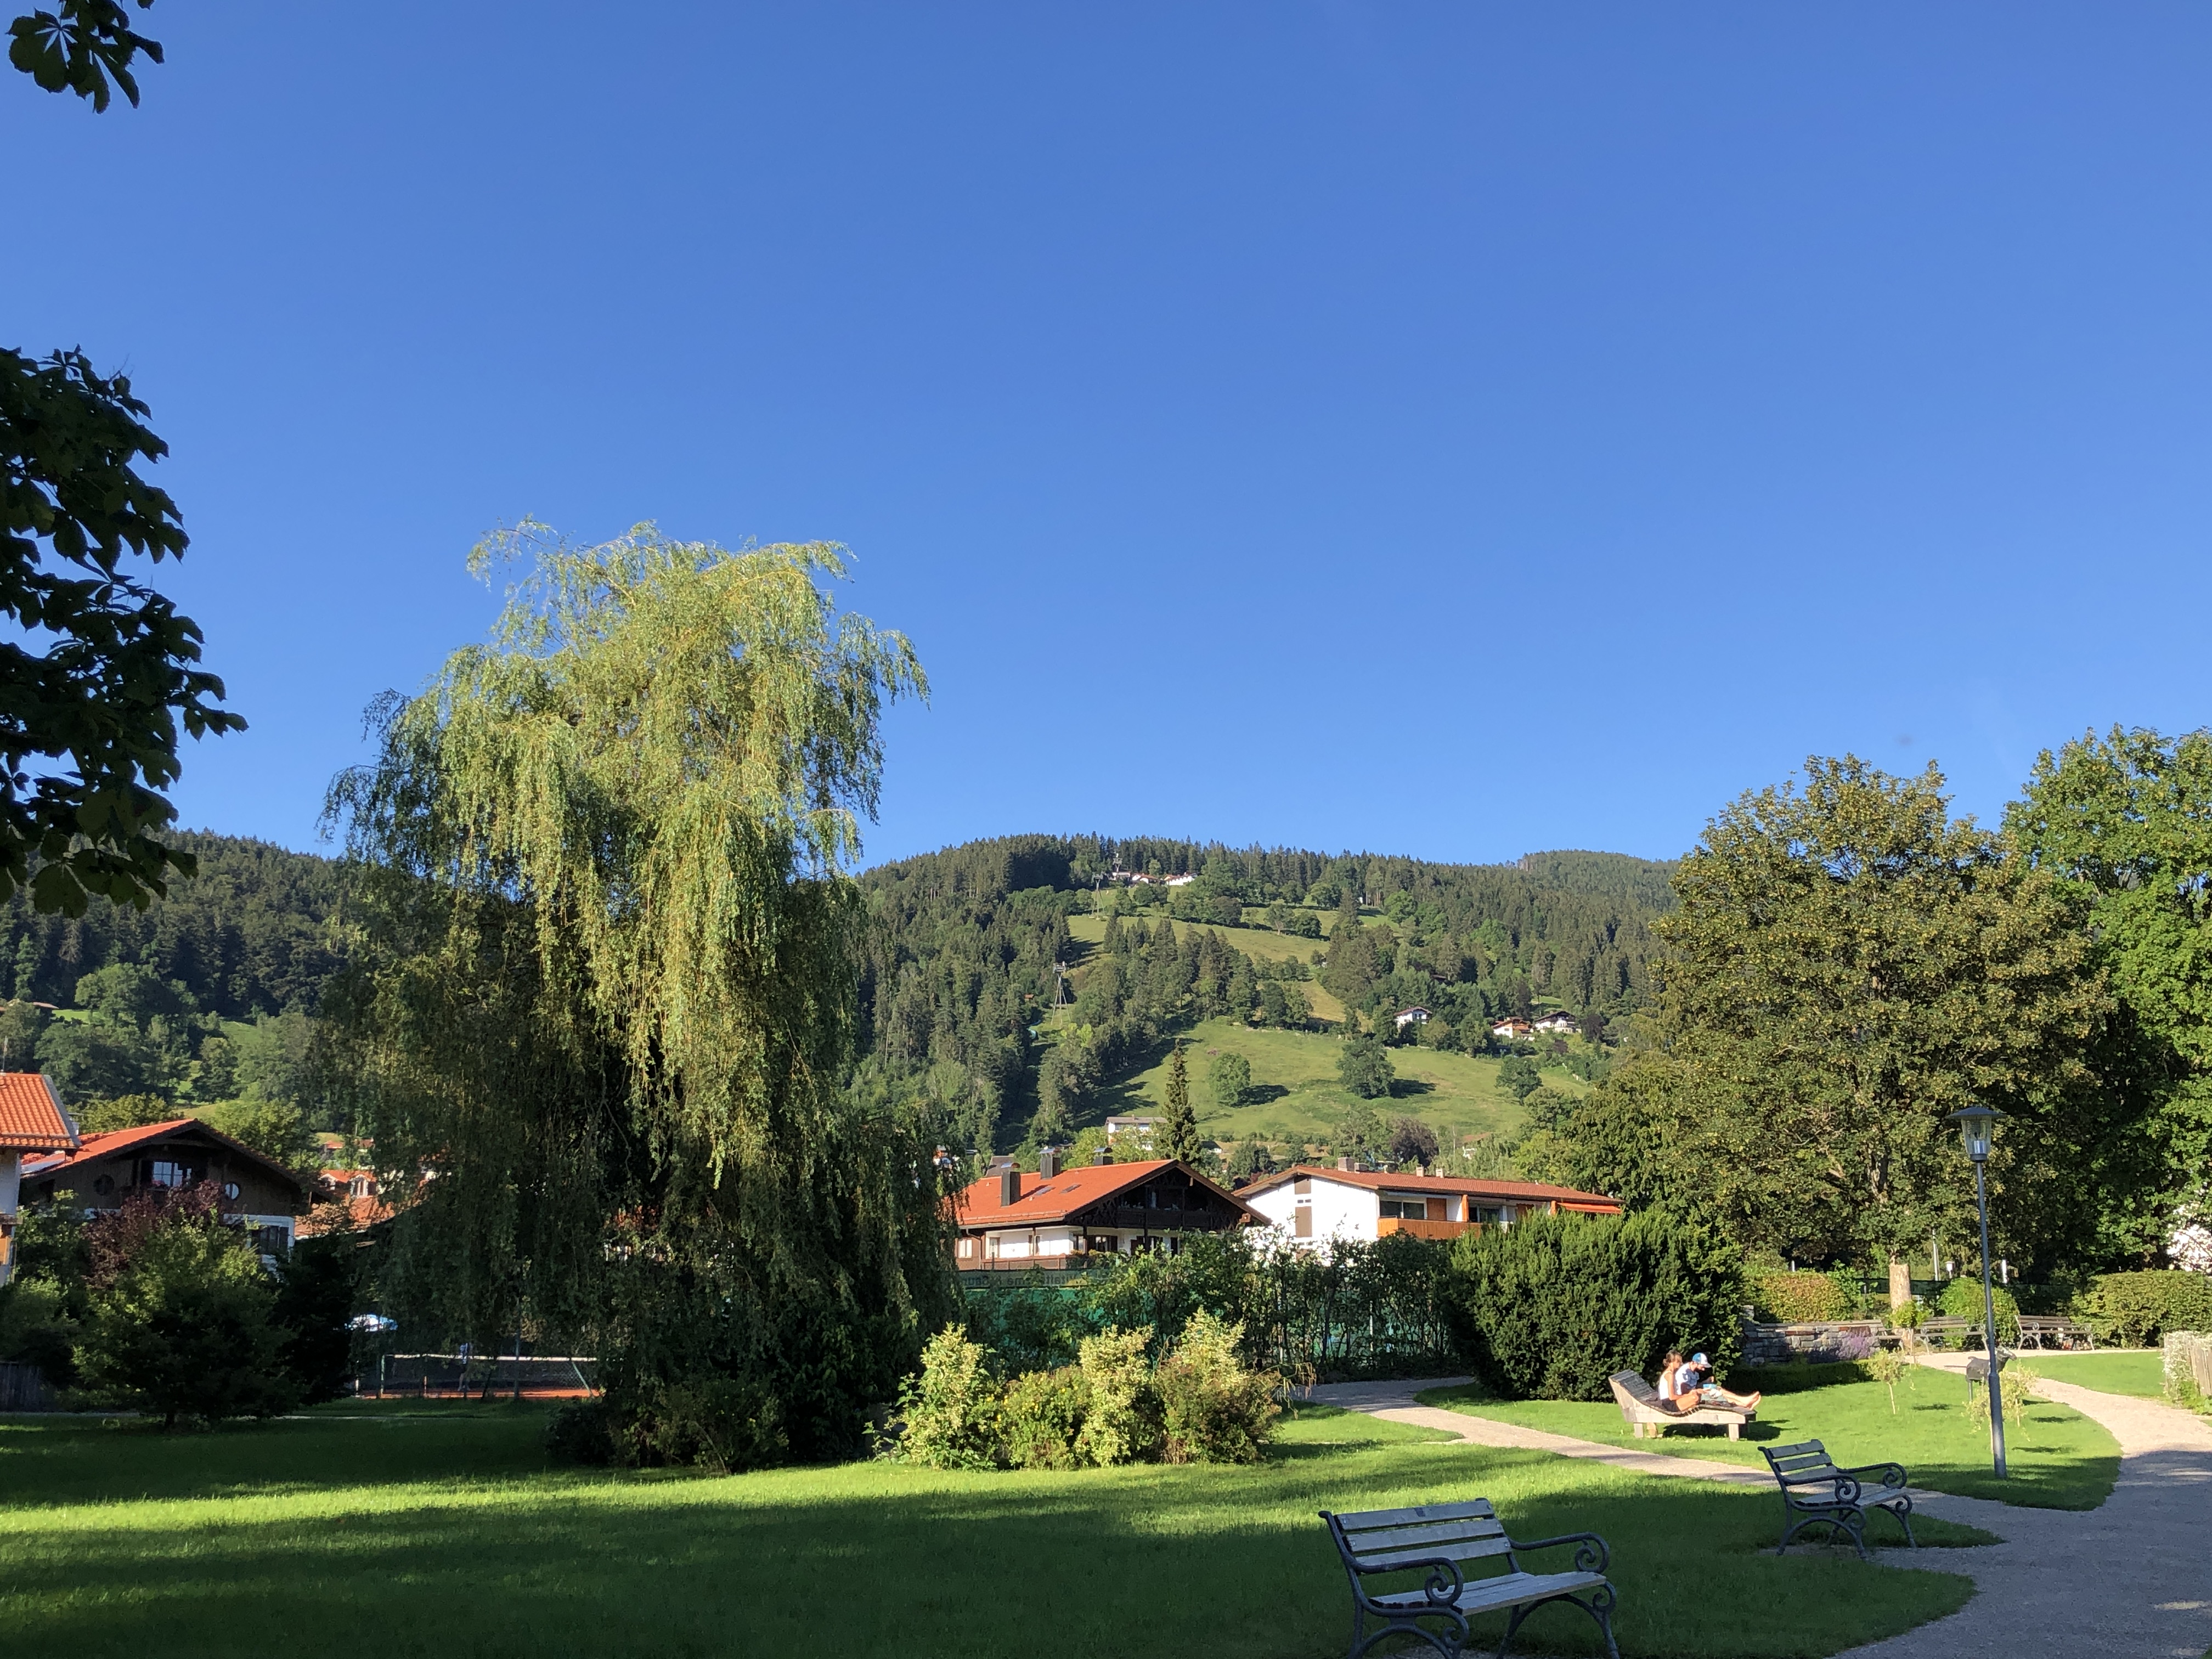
[(2037, 1329), (1948, 1333), (1642, 1406), (1440, 1541), (1814, 1491)]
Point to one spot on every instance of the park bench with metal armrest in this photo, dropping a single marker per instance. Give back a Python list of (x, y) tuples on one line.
[(1947, 1332), (1815, 1492), (1642, 1408), (1441, 1540), (2059, 1332)]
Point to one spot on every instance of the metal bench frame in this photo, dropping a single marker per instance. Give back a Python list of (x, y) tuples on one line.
[(2034, 1328), (1438, 1539), (1806, 1465)]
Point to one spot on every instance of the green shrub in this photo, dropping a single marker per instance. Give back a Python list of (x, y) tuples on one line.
[(1801, 1298), (1040, 1417), (1212, 1408), (724, 1424), (2136, 1310), (951, 1408), (1551, 1307), (1120, 1420), (1962, 1299), (181, 1327), (583, 1431)]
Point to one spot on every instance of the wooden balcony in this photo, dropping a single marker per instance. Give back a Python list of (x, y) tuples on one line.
[(1393, 1223)]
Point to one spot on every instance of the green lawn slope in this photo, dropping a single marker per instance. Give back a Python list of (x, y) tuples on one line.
[(429, 1533)]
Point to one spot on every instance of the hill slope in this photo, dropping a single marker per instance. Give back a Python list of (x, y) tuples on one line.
[(962, 975)]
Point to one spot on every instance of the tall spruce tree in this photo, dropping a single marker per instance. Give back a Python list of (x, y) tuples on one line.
[(606, 991), (1179, 1134)]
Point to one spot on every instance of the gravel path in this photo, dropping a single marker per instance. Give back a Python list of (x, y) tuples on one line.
[(2130, 1580)]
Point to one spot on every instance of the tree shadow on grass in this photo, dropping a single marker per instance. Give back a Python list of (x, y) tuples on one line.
[(880, 1561)]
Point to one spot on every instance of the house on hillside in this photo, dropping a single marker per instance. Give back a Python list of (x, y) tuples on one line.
[(1142, 1127), (31, 1121), (1063, 1218), (1515, 1029), (1406, 1017), (1562, 1024), (102, 1170), (1308, 1205)]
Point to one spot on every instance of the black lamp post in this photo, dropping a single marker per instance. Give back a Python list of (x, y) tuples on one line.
[(1977, 1123)]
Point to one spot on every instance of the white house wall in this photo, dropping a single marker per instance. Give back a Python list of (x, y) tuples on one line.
[(1339, 1210)]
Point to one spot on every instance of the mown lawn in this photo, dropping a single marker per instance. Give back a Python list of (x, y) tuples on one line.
[(2137, 1371), (2060, 1461), (442, 1532)]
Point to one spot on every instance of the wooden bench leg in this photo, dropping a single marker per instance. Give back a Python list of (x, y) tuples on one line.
[(1736, 1431)]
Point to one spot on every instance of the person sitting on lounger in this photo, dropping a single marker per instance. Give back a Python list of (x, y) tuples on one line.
[(1693, 1387)]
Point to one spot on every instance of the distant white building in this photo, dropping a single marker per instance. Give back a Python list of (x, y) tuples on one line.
[(1309, 1206), (1511, 1031), (1141, 1127), (1557, 1021), (1411, 1016), (1181, 881)]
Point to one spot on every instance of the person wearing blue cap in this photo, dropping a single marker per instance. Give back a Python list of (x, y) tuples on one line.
[(1694, 1385)]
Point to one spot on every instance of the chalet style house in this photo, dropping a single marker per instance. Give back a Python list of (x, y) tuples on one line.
[(102, 1170), (31, 1121), (1310, 1205), (1063, 1218)]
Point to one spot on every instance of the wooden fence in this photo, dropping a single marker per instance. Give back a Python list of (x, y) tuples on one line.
[(2188, 1359), (23, 1389)]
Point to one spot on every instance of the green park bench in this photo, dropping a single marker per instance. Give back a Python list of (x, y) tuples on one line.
[(1816, 1492), (1442, 1540)]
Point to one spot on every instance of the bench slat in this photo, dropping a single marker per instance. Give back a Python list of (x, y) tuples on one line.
[(1366, 1520), (1506, 1590), (1475, 1550), (1443, 1531)]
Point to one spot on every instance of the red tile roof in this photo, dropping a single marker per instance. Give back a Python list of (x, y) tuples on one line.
[(1510, 1191), (1043, 1201), (31, 1116), (95, 1148)]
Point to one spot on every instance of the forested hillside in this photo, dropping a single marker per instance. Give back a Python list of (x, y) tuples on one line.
[(965, 944), (207, 997), (212, 992)]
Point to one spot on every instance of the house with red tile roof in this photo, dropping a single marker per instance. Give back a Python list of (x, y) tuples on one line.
[(1308, 1205), (1065, 1217), (31, 1121), (102, 1170)]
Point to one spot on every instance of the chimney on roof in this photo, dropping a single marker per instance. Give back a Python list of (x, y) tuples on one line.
[(1010, 1187), (1047, 1163), (1344, 1163), (1105, 1155)]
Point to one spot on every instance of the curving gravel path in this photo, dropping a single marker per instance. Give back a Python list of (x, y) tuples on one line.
[(2130, 1580)]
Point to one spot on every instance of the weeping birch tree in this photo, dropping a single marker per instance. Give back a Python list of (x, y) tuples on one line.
[(604, 1004)]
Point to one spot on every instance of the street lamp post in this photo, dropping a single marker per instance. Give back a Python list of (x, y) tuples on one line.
[(1977, 1123)]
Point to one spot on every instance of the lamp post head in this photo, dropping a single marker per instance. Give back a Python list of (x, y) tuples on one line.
[(1977, 1124)]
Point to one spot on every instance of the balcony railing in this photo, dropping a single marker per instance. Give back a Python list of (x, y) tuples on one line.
[(1395, 1224)]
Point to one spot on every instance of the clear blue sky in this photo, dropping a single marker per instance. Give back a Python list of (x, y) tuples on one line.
[(1454, 429)]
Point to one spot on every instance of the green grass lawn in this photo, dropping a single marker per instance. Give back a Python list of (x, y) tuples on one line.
[(1299, 1100), (2139, 1372), (441, 1532), (2060, 1461)]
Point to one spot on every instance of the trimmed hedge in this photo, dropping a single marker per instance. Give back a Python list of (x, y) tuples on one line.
[(1801, 1298), (1551, 1307), (2137, 1309)]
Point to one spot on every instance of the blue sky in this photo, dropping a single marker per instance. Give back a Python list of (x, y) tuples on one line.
[(1457, 430)]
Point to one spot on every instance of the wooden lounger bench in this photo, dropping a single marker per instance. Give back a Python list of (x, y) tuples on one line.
[(1437, 1540), (1641, 1405)]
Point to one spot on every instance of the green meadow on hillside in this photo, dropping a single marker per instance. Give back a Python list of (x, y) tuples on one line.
[(1297, 1098)]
